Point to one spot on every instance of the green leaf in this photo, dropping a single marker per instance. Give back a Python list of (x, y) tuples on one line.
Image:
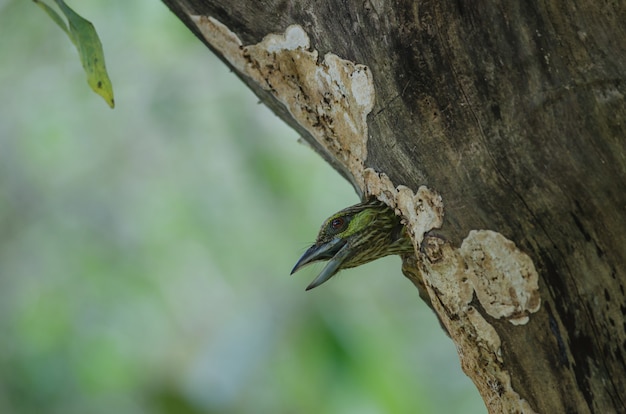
[(53, 15), (84, 36)]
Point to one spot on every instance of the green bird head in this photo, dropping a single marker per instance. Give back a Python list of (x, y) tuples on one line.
[(354, 236)]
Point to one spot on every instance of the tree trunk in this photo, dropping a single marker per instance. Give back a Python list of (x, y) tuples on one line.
[(498, 131)]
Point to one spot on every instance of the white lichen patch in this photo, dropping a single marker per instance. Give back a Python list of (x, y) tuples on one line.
[(422, 211), (443, 280), (222, 39), (294, 38), (488, 335), (380, 186), (505, 279), (330, 99), (502, 277)]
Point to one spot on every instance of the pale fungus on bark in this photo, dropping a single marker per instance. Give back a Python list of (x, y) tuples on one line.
[(330, 98)]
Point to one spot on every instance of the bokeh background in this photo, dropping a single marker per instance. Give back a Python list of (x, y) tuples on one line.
[(145, 251)]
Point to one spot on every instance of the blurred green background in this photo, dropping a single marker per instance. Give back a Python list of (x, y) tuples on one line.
[(145, 251)]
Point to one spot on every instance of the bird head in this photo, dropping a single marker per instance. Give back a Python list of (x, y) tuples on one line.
[(354, 236)]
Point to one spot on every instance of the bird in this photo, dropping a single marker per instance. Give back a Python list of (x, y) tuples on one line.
[(354, 236)]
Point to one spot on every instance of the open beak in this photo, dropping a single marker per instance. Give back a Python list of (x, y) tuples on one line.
[(335, 251)]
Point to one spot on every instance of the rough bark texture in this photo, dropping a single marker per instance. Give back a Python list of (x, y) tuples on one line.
[(514, 114)]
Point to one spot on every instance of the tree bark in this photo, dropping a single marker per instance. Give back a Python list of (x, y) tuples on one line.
[(498, 131)]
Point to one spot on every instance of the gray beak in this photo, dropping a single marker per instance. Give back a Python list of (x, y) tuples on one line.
[(334, 251)]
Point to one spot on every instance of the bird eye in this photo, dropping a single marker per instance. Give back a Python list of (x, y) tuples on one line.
[(337, 223)]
